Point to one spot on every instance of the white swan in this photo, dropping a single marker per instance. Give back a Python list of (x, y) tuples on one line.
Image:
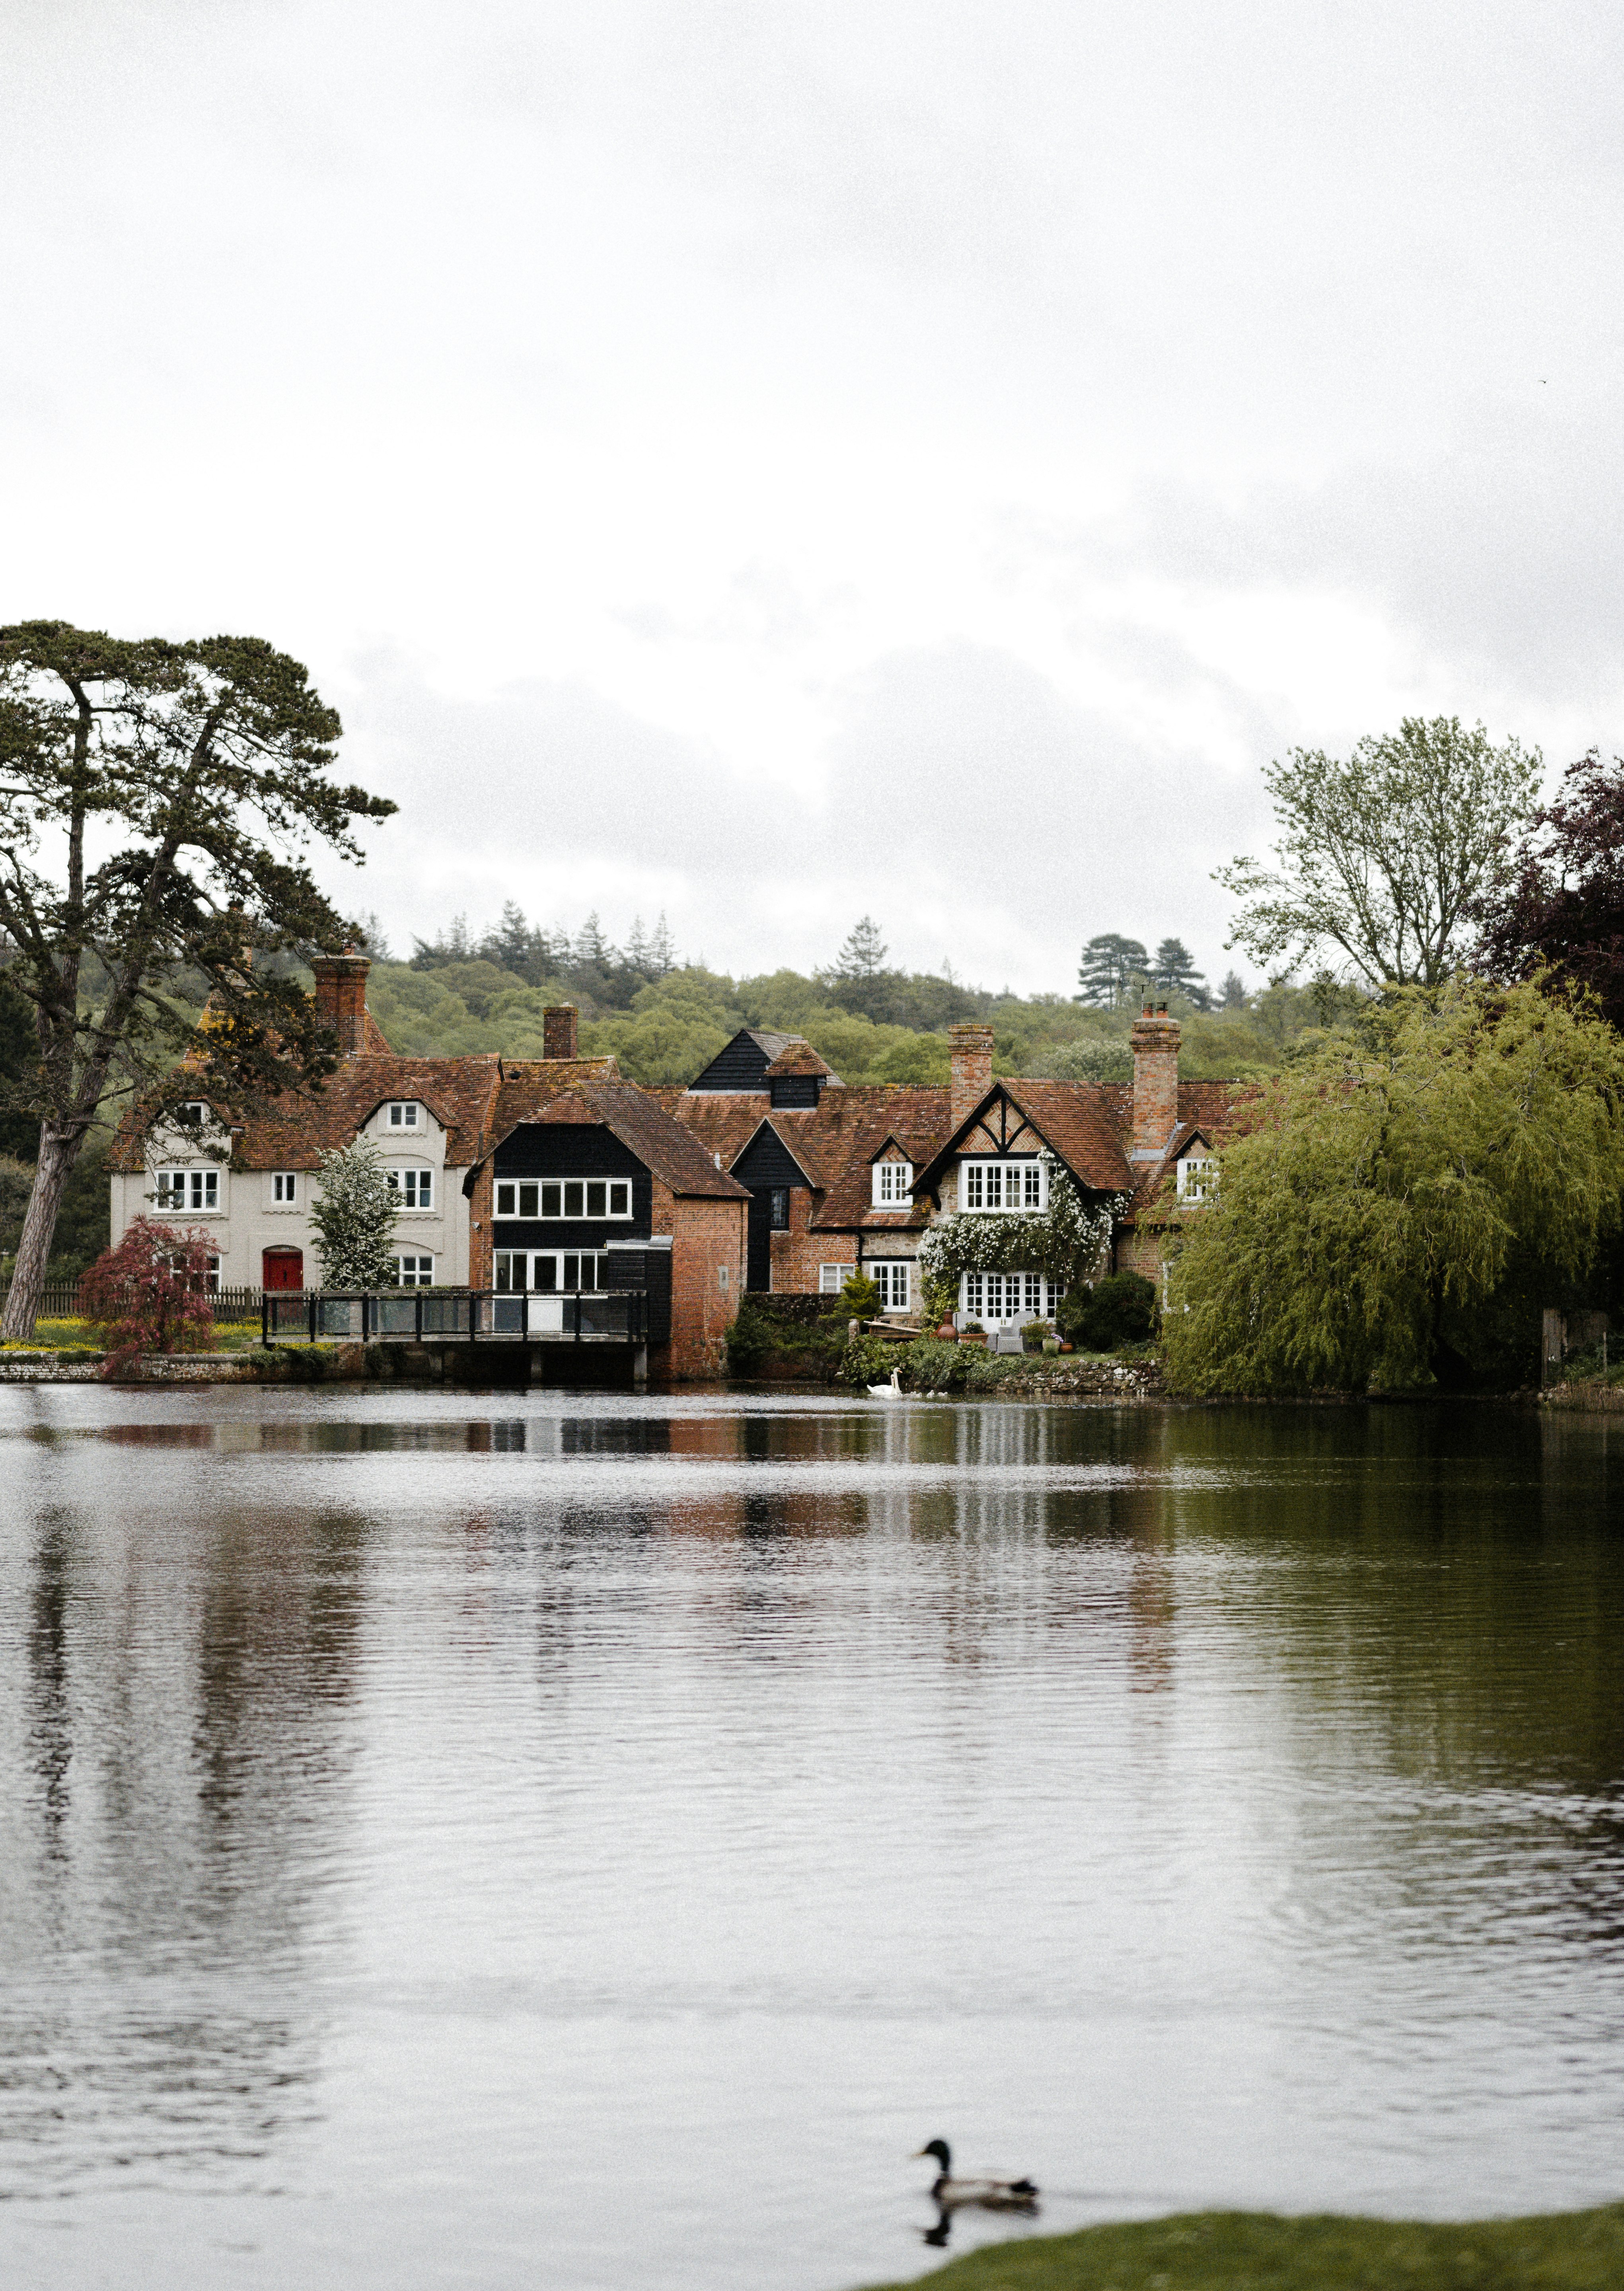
[(891, 1391)]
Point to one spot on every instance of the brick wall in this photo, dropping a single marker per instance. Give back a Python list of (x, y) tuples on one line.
[(1156, 1080), (970, 1056), (340, 998), (708, 1239)]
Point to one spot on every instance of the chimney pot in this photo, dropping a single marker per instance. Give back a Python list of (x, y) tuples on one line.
[(560, 1026)]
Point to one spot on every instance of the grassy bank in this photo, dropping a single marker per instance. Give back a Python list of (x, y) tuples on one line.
[(1258, 2251)]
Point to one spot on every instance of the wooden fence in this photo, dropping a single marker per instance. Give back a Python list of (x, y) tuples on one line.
[(60, 1301)]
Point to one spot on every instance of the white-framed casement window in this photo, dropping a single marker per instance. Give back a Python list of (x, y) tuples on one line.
[(564, 1197), (994, 1298), (893, 1185), (404, 1114), (890, 1276), (211, 1278), (182, 1190), (833, 1278), (414, 1186), (1003, 1186), (1197, 1177), (193, 1114), (415, 1273), (284, 1189)]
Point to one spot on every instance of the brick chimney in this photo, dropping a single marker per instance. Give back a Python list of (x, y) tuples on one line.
[(340, 997), (558, 1031), (971, 1058), (1155, 1081)]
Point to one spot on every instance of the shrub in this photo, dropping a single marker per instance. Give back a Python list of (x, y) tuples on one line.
[(1121, 1310), (149, 1294), (354, 1216), (858, 1299)]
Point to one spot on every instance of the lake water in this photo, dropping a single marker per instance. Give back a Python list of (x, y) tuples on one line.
[(586, 1840)]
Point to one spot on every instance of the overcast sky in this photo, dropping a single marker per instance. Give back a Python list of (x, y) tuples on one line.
[(777, 462)]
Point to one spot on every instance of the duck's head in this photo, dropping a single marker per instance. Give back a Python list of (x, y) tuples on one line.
[(942, 2152)]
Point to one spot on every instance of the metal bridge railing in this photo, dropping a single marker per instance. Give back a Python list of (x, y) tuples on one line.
[(453, 1316)]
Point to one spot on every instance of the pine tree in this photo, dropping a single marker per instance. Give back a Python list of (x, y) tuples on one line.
[(1232, 993), (637, 946), (662, 953), (1175, 973), (511, 945), (354, 1215), (591, 946), (864, 954), (1111, 965)]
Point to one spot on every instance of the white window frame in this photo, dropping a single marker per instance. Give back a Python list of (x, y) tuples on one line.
[(893, 1186), (985, 1187), (546, 1272), (542, 1201), (1197, 1177), (415, 1185), (833, 1278), (891, 1276), (193, 1114), (199, 1191), (403, 1113), (988, 1297), (421, 1274), (284, 1189)]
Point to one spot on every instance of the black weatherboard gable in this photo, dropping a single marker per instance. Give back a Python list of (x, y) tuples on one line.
[(743, 1065), (570, 1149)]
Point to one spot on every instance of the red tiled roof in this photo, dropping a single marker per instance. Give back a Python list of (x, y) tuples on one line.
[(298, 1128), (834, 1141), (538, 1092), (799, 1057)]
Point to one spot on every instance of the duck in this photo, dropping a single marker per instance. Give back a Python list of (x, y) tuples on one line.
[(891, 1391), (991, 2195)]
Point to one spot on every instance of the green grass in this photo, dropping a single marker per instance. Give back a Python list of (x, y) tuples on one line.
[(1259, 2251)]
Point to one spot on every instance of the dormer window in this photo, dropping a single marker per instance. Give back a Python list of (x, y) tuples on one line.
[(893, 1184), (404, 1114), (192, 1115), (1197, 1177)]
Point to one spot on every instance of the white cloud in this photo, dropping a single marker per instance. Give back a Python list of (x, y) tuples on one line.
[(702, 448)]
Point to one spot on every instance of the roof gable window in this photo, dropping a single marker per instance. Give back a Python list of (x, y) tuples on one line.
[(1004, 1186), (1197, 1177), (193, 1114), (893, 1183), (404, 1114)]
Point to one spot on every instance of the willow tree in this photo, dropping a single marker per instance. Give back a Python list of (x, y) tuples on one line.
[(1392, 1184), (155, 800)]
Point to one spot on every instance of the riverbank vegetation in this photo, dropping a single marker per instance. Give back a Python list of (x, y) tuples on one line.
[(1407, 1199), (1259, 2251)]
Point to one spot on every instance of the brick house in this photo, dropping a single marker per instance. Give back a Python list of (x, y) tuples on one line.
[(842, 1179), (622, 1193)]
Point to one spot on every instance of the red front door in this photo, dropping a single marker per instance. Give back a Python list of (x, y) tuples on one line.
[(282, 1268)]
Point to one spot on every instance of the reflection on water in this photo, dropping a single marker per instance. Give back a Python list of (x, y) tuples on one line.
[(578, 1838)]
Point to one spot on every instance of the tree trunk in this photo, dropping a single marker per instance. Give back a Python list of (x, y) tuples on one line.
[(58, 1152)]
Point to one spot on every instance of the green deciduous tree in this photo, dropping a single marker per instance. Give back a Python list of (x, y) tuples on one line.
[(1383, 855), (354, 1215), (154, 800), (1393, 1184)]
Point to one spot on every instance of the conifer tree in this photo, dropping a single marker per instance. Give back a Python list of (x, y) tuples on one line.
[(1175, 973), (1111, 965)]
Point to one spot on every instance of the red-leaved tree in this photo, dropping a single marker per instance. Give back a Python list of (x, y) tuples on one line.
[(1562, 910), (150, 1293)]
